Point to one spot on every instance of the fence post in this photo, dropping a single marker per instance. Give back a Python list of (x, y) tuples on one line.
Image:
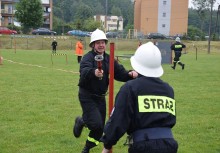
[(11, 42), (27, 42)]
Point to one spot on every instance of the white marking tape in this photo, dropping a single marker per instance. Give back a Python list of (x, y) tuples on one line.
[(40, 66)]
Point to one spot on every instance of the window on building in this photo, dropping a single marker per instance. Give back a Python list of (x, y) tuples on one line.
[(2, 6), (164, 2), (108, 18), (164, 14), (10, 20), (163, 25)]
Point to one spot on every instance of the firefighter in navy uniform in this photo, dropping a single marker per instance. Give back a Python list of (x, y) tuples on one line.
[(54, 46), (144, 108), (93, 85), (177, 48)]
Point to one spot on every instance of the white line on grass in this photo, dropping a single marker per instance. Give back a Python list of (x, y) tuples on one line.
[(40, 66)]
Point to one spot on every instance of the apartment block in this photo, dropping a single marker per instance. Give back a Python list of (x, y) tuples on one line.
[(169, 17), (110, 23), (48, 15), (8, 10)]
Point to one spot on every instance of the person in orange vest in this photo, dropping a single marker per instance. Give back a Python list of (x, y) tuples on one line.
[(79, 50)]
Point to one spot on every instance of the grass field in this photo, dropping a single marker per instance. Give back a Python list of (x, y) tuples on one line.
[(39, 102)]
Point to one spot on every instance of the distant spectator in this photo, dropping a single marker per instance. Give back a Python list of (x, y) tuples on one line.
[(79, 50), (54, 46)]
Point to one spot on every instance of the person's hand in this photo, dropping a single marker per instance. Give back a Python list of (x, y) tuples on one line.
[(98, 73), (133, 74), (105, 150)]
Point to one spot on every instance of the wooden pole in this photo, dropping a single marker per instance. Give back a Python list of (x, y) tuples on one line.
[(52, 59), (1, 58), (15, 44), (210, 28), (66, 59)]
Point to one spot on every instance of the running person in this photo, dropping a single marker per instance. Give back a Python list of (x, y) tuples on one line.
[(177, 47)]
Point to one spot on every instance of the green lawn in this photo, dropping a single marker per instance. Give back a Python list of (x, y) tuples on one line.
[(39, 102)]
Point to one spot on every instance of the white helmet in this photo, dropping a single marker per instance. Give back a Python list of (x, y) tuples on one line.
[(147, 60), (97, 35), (177, 39)]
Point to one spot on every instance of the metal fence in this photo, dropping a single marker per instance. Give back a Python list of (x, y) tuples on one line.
[(32, 42), (67, 43)]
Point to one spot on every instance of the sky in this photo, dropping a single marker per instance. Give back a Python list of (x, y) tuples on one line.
[(215, 5)]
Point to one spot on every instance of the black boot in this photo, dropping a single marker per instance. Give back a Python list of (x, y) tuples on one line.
[(182, 65), (89, 145), (174, 65), (85, 149), (78, 127)]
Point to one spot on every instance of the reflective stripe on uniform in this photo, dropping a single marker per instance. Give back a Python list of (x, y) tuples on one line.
[(93, 140), (178, 46), (156, 104)]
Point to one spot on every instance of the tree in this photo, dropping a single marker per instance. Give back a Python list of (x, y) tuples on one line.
[(203, 4), (29, 13), (194, 31), (209, 4), (116, 11), (91, 25), (201, 7), (84, 9), (83, 12)]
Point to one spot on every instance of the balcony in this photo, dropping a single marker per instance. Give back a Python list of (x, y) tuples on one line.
[(6, 11), (7, 1)]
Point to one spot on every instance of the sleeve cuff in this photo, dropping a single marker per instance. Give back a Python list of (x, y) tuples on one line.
[(107, 146)]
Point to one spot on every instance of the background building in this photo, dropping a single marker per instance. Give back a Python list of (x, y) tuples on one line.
[(7, 12), (110, 23), (169, 17), (8, 9), (47, 7), (0, 15)]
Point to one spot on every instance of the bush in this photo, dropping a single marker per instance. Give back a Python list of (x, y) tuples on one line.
[(13, 27)]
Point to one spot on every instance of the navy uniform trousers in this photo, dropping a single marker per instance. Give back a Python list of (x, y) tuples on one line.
[(154, 146)]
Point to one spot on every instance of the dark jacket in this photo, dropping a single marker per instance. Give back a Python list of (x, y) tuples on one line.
[(54, 44), (177, 46), (128, 115), (93, 84)]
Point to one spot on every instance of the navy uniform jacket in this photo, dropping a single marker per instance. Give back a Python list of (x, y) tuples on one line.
[(54, 44), (141, 103), (93, 84), (177, 46)]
